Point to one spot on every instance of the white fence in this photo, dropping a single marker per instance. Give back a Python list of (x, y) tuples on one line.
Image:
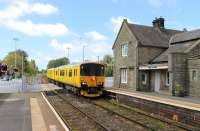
[(27, 84), (108, 82)]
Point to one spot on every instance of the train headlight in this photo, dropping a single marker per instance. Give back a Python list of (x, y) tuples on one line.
[(84, 83)]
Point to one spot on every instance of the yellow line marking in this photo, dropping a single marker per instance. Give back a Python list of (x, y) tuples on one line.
[(38, 123)]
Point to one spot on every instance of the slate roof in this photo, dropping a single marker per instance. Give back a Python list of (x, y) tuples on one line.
[(151, 36), (178, 48), (186, 36), (179, 43)]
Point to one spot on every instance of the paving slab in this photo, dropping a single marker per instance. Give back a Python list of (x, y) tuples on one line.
[(14, 113), (26, 112)]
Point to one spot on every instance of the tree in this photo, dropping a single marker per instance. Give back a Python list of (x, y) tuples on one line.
[(21, 56), (57, 62), (108, 61), (32, 68)]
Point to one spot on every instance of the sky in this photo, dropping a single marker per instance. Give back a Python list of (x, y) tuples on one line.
[(46, 28)]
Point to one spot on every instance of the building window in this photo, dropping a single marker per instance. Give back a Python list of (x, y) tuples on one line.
[(144, 78), (194, 75), (125, 49), (124, 75), (167, 78)]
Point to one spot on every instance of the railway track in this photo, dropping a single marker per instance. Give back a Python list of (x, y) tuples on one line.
[(73, 117), (144, 118), (95, 118), (106, 115)]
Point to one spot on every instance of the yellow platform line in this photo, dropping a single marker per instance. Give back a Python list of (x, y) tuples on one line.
[(38, 123), (178, 103)]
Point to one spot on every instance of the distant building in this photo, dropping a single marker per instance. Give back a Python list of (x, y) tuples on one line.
[(157, 59)]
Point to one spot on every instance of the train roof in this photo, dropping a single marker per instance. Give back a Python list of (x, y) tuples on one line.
[(74, 64)]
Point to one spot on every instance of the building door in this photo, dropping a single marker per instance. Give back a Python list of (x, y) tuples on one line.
[(157, 81)]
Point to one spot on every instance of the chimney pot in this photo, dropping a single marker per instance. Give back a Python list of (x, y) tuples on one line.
[(159, 22)]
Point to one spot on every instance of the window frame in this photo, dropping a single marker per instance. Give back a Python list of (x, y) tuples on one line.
[(196, 75), (144, 82), (124, 53), (167, 79), (124, 75)]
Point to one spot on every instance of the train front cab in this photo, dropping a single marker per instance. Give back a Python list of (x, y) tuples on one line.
[(92, 79)]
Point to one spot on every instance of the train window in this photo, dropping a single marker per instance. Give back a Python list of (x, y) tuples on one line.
[(92, 70), (70, 73), (62, 73), (66, 72)]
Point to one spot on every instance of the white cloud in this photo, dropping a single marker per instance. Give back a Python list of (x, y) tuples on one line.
[(117, 21), (95, 36), (60, 46), (44, 9), (20, 8), (29, 28), (11, 16), (92, 48)]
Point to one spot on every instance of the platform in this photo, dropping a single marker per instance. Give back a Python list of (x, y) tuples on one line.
[(26, 112), (184, 102), (185, 109)]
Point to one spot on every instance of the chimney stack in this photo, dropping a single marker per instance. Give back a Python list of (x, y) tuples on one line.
[(159, 23)]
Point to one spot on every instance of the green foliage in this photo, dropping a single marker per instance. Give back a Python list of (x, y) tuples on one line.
[(43, 71), (21, 56), (32, 68), (108, 61), (57, 62)]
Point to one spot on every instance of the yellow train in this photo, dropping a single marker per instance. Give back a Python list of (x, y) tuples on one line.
[(86, 79)]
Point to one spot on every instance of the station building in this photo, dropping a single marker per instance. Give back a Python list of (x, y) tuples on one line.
[(156, 59)]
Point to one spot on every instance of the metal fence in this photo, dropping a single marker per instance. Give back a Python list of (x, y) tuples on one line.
[(25, 84)]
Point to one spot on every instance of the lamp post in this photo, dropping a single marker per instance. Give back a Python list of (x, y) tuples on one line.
[(84, 53), (68, 48), (98, 58), (15, 42)]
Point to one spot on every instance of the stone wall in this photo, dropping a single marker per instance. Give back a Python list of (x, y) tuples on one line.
[(183, 115), (194, 64), (129, 62), (178, 71)]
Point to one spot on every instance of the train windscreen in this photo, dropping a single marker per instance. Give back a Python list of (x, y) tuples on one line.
[(92, 70)]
